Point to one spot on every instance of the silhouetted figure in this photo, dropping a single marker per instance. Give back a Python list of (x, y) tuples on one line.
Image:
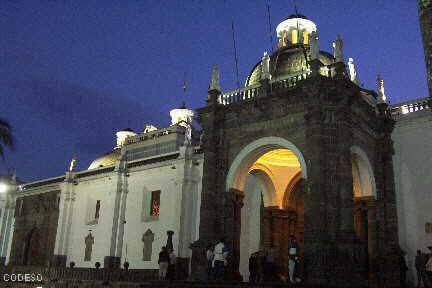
[(292, 262), (428, 268), (209, 257), (254, 268), (270, 268), (171, 265), (163, 261), (220, 259), (403, 268), (420, 265)]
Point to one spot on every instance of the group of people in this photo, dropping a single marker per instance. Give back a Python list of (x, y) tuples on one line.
[(217, 260), (423, 265), (264, 267), (167, 263)]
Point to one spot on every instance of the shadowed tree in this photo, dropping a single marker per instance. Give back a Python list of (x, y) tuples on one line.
[(6, 138)]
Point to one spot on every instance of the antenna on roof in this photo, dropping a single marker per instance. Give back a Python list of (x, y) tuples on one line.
[(185, 86), (270, 28), (295, 7), (235, 55)]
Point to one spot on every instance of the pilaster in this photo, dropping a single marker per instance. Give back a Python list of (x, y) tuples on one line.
[(67, 199)]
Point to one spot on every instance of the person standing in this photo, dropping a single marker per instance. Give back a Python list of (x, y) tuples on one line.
[(163, 262), (428, 269), (253, 268), (172, 264), (220, 255), (271, 264), (292, 254), (420, 264), (403, 268), (209, 257)]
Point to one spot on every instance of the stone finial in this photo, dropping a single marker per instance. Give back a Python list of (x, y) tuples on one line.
[(314, 45), (338, 46), (214, 83), (265, 66), (352, 71), (72, 163), (382, 98)]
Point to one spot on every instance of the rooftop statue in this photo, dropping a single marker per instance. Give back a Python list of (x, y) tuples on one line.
[(380, 88), (265, 66), (352, 71), (314, 45), (72, 163), (338, 45), (214, 84)]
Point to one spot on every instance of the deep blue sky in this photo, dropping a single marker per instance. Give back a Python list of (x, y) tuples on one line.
[(74, 72)]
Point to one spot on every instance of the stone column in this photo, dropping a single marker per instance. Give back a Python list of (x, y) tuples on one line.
[(112, 261), (6, 225), (232, 230), (213, 188), (386, 203), (67, 200)]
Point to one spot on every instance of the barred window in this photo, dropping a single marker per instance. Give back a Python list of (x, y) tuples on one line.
[(155, 203)]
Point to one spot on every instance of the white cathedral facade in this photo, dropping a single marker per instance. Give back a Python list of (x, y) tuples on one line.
[(146, 193)]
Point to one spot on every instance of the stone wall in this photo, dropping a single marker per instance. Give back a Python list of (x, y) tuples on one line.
[(36, 218)]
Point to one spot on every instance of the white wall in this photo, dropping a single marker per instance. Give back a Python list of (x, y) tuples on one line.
[(97, 188), (413, 180)]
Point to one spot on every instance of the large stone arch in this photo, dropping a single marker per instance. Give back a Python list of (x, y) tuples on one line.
[(363, 173), (237, 173)]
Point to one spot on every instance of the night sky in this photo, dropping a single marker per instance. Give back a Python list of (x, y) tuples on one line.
[(72, 73)]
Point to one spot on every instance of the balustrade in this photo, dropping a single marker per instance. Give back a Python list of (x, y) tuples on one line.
[(250, 92), (410, 107)]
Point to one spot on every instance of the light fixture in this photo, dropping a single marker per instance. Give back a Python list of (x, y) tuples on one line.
[(3, 187)]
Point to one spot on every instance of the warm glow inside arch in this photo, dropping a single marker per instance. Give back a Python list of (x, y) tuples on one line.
[(281, 166)]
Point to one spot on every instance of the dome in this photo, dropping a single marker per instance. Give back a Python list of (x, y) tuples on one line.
[(107, 159), (288, 61)]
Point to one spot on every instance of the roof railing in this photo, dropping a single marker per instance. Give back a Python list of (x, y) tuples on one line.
[(249, 92), (408, 107)]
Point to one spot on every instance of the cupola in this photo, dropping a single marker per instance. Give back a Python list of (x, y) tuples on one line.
[(296, 29)]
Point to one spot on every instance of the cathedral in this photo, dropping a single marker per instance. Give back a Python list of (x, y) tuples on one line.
[(301, 151)]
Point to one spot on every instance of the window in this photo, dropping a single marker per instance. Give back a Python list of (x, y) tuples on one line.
[(150, 210), (294, 36), (93, 211), (96, 216), (305, 37), (155, 203)]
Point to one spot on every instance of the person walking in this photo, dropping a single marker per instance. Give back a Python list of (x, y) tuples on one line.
[(209, 257), (219, 260), (163, 262), (420, 265)]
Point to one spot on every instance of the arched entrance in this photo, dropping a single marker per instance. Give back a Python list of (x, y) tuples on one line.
[(364, 193), (32, 249), (269, 173)]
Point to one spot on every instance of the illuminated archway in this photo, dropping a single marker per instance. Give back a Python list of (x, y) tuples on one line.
[(363, 176), (262, 171)]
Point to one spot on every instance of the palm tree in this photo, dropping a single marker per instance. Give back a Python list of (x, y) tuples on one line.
[(6, 138)]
